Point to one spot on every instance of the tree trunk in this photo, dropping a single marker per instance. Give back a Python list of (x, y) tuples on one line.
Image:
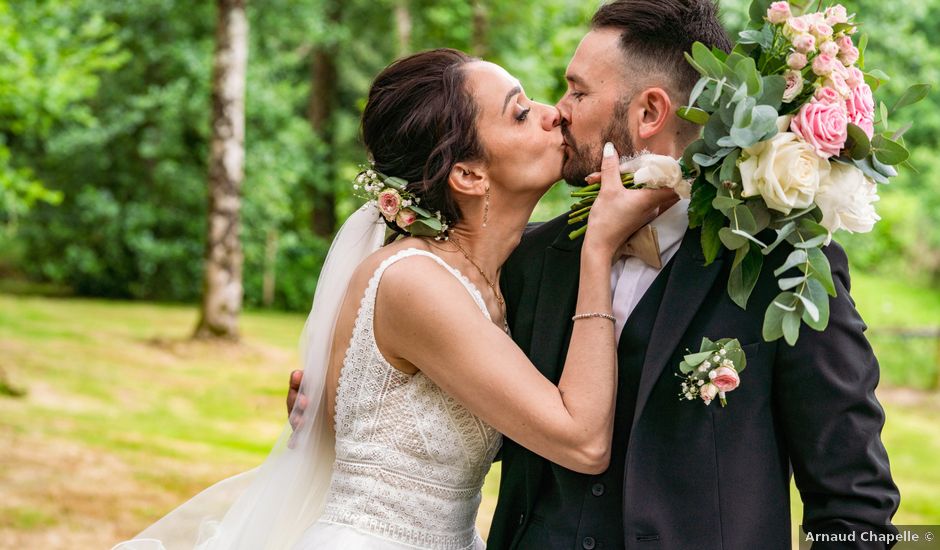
[(403, 27), (222, 283), (324, 100), (480, 23)]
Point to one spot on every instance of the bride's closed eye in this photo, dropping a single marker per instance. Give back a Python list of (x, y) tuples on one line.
[(522, 113)]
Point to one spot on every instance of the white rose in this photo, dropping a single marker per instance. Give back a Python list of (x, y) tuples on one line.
[(847, 199), (657, 172), (785, 171)]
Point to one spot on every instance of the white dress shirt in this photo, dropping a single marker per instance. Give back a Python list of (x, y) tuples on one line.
[(631, 277)]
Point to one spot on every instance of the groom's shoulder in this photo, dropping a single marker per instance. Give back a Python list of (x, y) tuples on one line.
[(539, 236)]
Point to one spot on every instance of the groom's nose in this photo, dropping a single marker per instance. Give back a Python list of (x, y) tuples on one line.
[(564, 110)]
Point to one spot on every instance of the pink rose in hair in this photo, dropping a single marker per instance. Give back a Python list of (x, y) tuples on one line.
[(778, 12), (389, 203), (405, 217), (804, 43), (860, 109), (725, 379), (824, 126), (796, 61)]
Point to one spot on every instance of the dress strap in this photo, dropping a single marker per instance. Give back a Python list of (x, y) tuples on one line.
[(372, 290)]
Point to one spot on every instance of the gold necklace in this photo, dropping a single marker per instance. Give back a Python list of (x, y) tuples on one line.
[(499, 298)]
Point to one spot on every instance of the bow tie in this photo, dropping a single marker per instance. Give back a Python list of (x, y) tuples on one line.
[(644, 244)]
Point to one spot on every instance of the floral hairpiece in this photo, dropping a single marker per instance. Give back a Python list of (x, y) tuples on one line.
[(399, 206)]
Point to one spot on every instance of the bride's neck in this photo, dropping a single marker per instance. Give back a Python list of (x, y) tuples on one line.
[(490, 246)]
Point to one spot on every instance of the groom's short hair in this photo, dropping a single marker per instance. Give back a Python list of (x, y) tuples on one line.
[(655, 34)]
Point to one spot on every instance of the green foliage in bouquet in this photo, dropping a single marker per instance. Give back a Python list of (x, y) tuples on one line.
[(791, 150)]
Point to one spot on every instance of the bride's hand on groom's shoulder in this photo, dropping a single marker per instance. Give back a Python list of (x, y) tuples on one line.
[(293, 391), (618, 212)]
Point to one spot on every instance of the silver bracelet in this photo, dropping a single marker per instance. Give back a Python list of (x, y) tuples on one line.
[(607, 316)]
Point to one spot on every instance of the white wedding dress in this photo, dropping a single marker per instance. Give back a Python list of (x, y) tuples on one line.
[(410, 460)]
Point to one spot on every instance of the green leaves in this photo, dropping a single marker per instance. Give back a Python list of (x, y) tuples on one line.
[(910, 96), (744, 274), (888, 151)]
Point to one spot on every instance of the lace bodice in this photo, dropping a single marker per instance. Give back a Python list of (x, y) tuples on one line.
[(410, 460)]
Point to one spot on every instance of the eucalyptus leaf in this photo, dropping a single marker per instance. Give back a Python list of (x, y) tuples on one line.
[(744, 274), (729, 165), (731, 240), (858, 145), (782, 235), (910, 96), (707, 60), (822, 271), (889, 151), (773, 323), (809, 307), (817, 294), (696, 359), (725, 203), (693, 115), (862, 45), (790, 282), (774, 86), (697, 91), (396, 183), (742, 219), (791, 326), (746, 70), (796, 258)]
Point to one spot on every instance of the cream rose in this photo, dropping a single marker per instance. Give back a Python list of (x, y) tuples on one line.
[(405, 217), (785, 171), (847, 199), (657, 172), (708, 392)]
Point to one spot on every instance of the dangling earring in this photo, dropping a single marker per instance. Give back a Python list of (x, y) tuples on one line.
[(486, 206)]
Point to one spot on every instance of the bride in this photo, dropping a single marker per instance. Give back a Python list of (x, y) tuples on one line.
[(410, 376)]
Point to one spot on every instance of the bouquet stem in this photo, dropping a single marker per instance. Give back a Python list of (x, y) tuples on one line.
[(582, 209)]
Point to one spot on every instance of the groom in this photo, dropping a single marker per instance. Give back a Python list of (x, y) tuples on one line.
[(684, 475)]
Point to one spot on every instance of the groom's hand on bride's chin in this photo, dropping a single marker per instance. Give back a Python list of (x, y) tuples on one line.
[(292, 392)]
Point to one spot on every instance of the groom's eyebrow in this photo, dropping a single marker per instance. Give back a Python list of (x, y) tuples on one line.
[(515, 91), (574, 79)]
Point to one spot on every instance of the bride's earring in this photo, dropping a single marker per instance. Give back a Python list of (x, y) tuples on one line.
[(486, 206)]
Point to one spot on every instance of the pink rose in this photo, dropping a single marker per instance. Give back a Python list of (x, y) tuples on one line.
[(849, 57), (854, 77), (725, 379), (824, 64), (405, 217), (797, 25), (824, 126), (794, 85), (822, 30), (708, 392), (829, 48), (844, 43), (828, 95), (796, 61), (778, 12), (804, 43), (837, 82), (389, 203), (860, 109), (836, 15)]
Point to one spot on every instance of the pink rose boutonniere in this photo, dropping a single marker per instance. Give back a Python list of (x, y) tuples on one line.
[(712, 372)]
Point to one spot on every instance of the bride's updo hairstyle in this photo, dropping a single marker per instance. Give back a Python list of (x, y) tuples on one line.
[(419, 121)]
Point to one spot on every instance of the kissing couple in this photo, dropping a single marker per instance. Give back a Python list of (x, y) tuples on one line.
[(468, 336)]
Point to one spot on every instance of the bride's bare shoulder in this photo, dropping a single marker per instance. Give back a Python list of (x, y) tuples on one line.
[(371, 263)]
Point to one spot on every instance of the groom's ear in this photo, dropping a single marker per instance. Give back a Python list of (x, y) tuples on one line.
[(654, 111), (468, 178)]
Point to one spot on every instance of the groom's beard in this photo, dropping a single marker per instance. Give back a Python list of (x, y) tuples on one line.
[(584, 159)]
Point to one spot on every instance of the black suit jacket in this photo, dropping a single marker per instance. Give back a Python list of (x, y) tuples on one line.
[(703, 477)]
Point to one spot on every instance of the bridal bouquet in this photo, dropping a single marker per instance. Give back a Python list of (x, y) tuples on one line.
[(792, 150)]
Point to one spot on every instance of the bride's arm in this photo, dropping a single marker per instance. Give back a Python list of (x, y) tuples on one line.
[(430, 321)]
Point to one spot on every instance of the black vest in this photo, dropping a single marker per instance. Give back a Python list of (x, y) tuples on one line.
[(580, 511)]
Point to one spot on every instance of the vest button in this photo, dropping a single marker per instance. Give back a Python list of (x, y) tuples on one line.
[(588, 543), (598, 489), (521, 519)]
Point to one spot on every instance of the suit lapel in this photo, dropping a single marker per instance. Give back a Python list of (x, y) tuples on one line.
[(689, 283), (557, 297)]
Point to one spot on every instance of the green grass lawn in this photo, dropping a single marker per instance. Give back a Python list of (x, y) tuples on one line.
[(123, 417)]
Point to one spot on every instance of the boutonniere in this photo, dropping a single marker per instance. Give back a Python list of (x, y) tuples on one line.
[(713, 371)]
